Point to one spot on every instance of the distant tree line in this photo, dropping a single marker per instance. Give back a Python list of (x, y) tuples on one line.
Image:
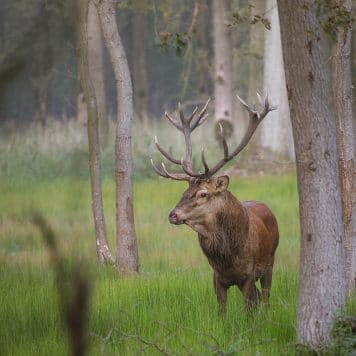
[(39, 68)]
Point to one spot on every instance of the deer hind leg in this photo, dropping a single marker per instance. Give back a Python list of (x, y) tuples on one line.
[(266, 282), (221, 294), (251, 294)]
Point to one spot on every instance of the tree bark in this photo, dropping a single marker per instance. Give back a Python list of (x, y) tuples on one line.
[(222, 67), (126, 246), (96, 68), (353, 71), (276, 132), (321, 293), (202, 61), (102, 247), (253, 69), (43, 75), (255, 58), (243, 60), (342, 89)]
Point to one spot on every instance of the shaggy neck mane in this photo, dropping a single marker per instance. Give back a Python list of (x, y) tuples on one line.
[(229, 230)]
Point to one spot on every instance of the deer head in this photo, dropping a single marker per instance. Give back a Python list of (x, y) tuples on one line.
[(205, 191)]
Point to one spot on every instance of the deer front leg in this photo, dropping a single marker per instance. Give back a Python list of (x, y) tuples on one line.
[(221, 294)]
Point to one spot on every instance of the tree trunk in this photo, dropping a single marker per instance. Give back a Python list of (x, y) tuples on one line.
[(321, 293), (139, 58), (276, 132), (242, 60), (96, 68), (255, 58), (222, 67), (254, 68), (342, 88), (126, 247), (202, 60), (353, 72), (102, 247), (42, 75)]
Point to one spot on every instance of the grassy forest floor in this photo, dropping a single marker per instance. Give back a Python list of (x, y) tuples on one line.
[(170, 308)]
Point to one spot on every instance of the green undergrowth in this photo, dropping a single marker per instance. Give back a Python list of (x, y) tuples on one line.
[(170, 307), (154, 313)]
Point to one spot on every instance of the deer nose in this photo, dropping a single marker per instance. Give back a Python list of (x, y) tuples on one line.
[(175, 217), (172, 216)]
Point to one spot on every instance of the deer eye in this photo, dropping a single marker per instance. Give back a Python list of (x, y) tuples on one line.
[(203, 195)]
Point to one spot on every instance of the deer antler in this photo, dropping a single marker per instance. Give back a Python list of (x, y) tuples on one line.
[(188, 125), (255, 119)]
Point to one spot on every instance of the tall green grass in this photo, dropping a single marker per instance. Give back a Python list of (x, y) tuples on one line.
[(170, 307)]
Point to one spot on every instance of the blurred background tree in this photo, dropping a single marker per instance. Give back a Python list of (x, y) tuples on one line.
[(276, 133), (39, 69)]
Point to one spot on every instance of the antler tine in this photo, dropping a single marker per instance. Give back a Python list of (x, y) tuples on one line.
[(255, 119), (203, 110), (181, 115), (260, 100), (165, 153), (169, 175), (224, 143), (188, 171), (175, 176), (266, 108), (192, 115), (166, 174), (201, 122), (201, 118), (186, 126), (157, 170), (173, 122), (205, 164), (244, 104)]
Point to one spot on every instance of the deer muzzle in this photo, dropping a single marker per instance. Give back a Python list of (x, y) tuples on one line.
[(174, 218)]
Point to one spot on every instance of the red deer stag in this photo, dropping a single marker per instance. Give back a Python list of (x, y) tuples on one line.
[(238, 238)]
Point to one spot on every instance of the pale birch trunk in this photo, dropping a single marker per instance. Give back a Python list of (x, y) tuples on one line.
[(256, 45), (255, 65), (126, 246), (276, 132), (96, 68), (241, 66), (222, 67), (102, 247), (321, 291), (342, 88)]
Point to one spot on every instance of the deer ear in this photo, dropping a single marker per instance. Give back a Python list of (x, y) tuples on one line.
[(221, 183)]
